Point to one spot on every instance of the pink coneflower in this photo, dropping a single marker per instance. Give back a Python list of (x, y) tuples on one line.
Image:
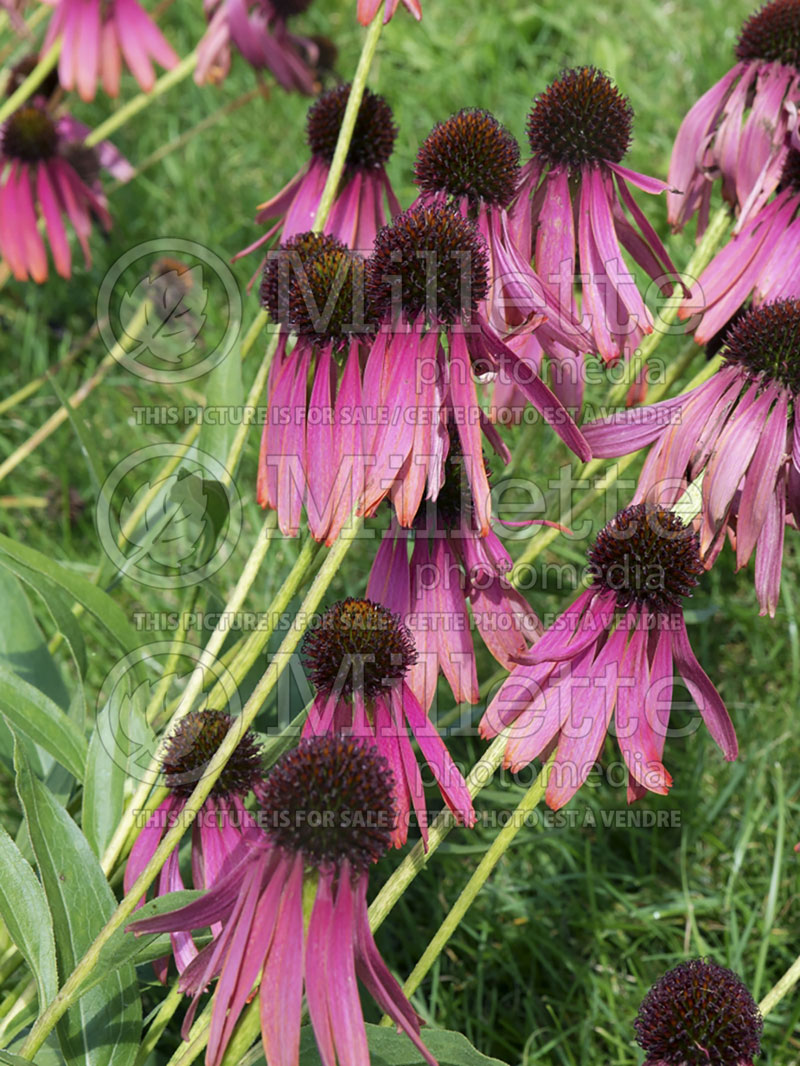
[(763, 260), (574, 197), (222, 826), (426, 279), (473, 162), (741, 428), (312, 450), (368, 9), (699, 1014), (740, 128), (294, 912), (97, 36), (450, 572), (365, 194), (612, 653), (47, 172), (258, 30), (358, 657)]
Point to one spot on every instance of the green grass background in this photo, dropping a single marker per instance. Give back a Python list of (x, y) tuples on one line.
[(576, 923)]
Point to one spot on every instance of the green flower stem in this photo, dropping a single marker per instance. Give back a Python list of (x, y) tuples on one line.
[(417, 859), (192, 690), (348, 122), (712, 238), (153, 709), (547, 535), (32, 82), (76, 399), (143, 100), (192, 1048), (71, 989), (253, 332), (782, 987), (162, 1019), (491, 857)]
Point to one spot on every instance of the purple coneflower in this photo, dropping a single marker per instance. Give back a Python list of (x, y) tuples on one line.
[(699, 1014), (312, 448), (46, 172), (97, 35), (359, 209), (294, 912), (425, 282), (259, 30), (574, 195), (762, 260), (612, 653), (358, 657), (740, 128), (368, 9), (472, 162), (222, 825), (450, 568), (741, 428)]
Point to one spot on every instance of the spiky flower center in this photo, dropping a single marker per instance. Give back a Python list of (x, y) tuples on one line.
[(21, 70), (453, 508), (646, 556), (471, 155), (84, 161), (285, 265), (327, 298), (30, 135), (195, 741), (766, 341), (772, 34), (358, 646), (699, 1014), (580, 119), (331, 798), (430, 260), (374, 134)]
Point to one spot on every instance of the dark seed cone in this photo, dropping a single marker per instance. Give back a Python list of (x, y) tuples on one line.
[(326, 300), (373, 136), (471, 155), (699, 1014), (283, 267), (772, 34), (766, 341), (431, 260), (646, 555), (30, 135), (331, 799), (191, 747), (581, 118), (359, 644)]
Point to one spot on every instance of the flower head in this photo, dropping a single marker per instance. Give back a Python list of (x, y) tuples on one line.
[(740, 129), (358, 658), (47, 172), (612, 653), (761, 261), (741, 428), (222, 825), (292, 915), (575, 197), (699, 1014), (312, 444), (360, 207), (426, 280), (98, 37)]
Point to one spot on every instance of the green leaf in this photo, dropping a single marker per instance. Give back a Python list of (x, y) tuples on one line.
[(387, 1047), (94, 600), (22, 645), (34, 715), (7, 1059), (85, 438), (104, 1027), (224, 392), (23, 907), (103, 786)]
